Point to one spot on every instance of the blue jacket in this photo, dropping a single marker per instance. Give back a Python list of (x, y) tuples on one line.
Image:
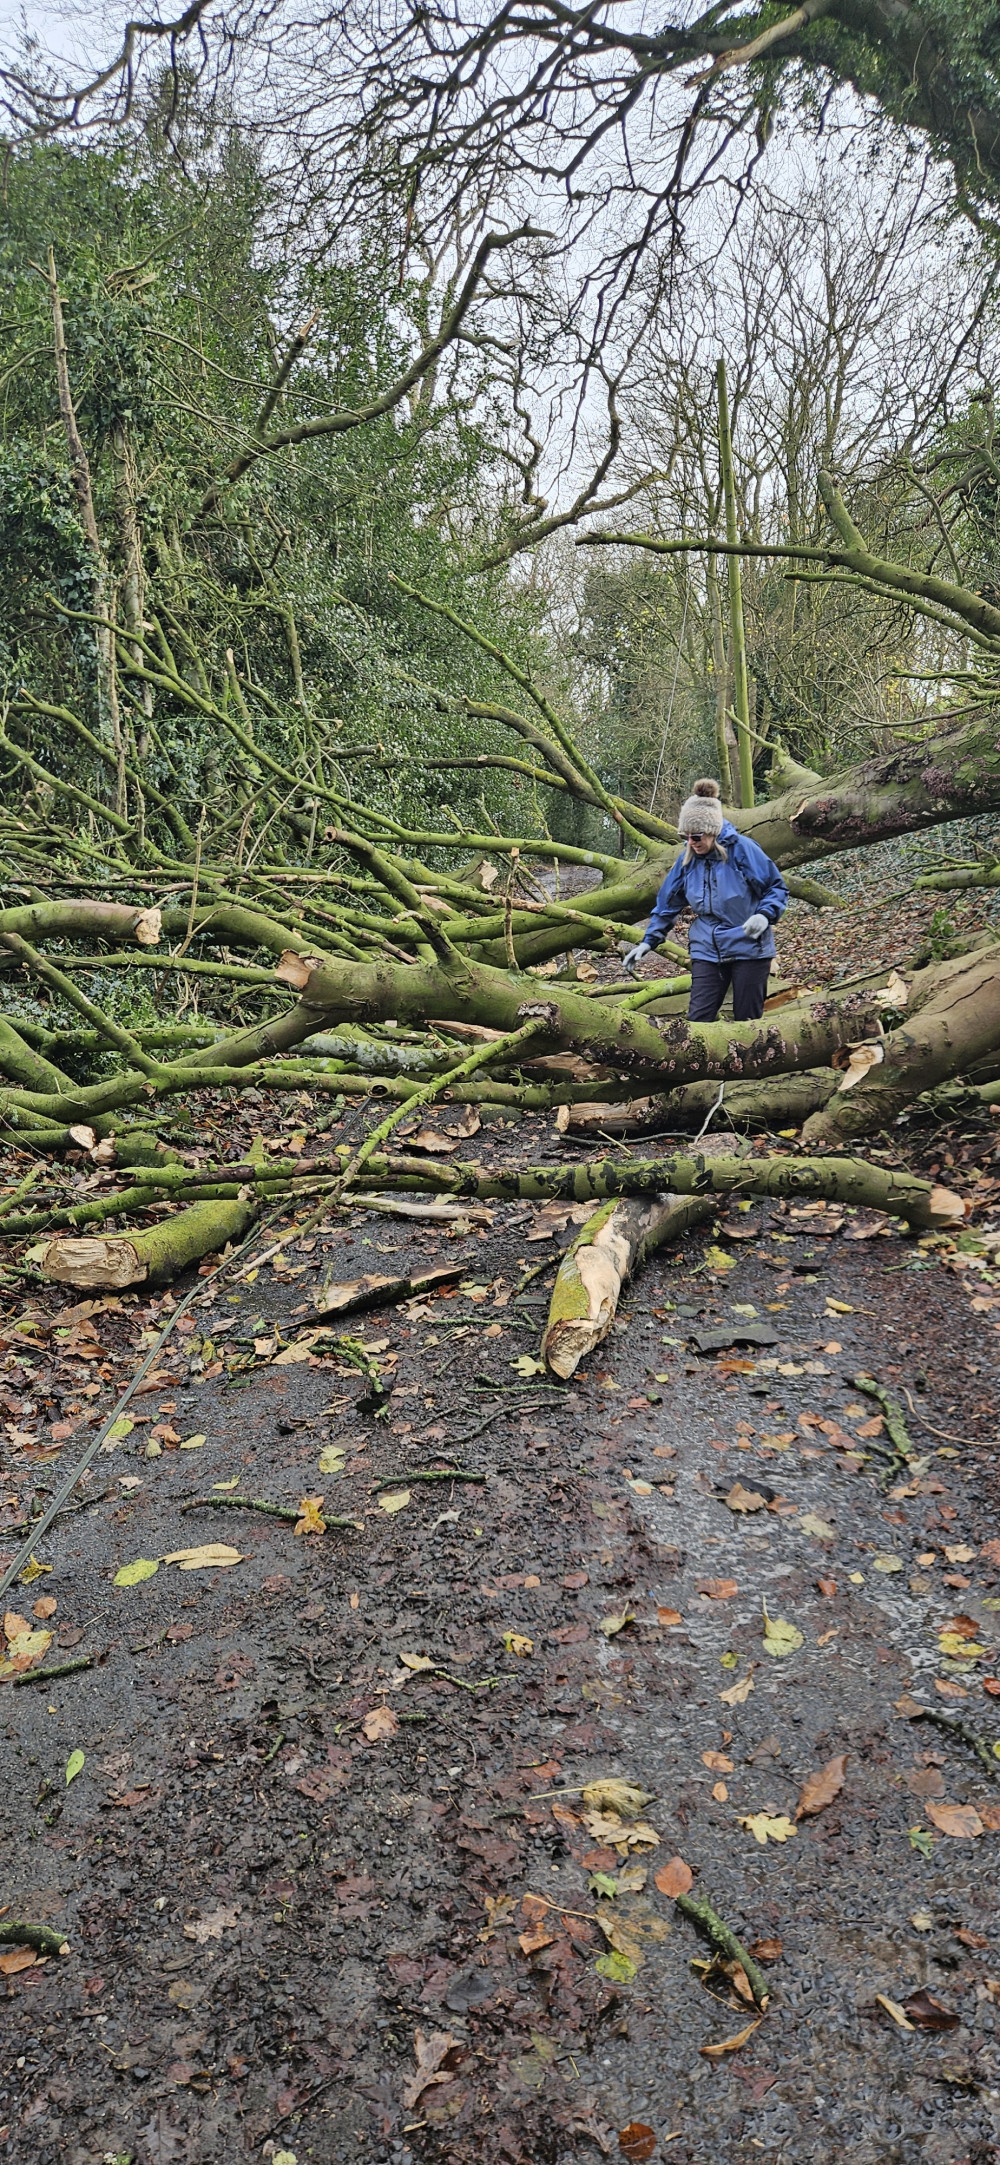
[(722, 895)]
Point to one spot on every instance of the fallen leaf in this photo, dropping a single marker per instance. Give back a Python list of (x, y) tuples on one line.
[(332, 1458), (730, 2044), (666, 1617), (45, 1606), (893, 2008), (826, 1587), (516, 1643), (416, 1661), (887, 1563), (744, 1499), (144, 1567), (674, 1877), (225, 1488), (819, 1789), (210, 1556), (380, 1724), (767, 1828), (962, 1821), (526, 1365), (611, 1625), (19, 1958), (395, 1499), (927, 2013), (816, 1528), (211, 1926), (74, 1765), (780, 1638), (636, 2142), (623, 1798), (717, 1762), (766, 1950), (838, 1308), (310, 1519), (738, 1694), (956, 1648), (431, 2054), (717, 1589), (616, 1967), (960, 1553), (193, 1443), (961, 1627)]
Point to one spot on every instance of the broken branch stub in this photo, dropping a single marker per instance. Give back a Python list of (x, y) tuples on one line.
[(615, 1241)]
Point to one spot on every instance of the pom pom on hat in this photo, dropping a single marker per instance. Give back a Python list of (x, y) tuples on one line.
[(702, 811)]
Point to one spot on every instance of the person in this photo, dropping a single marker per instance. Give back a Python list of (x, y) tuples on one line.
[(737, 896)]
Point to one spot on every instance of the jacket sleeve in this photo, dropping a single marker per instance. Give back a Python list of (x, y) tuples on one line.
[(764, 879), (669, 902)]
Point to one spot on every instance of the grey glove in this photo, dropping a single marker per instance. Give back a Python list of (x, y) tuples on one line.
[(756, 926), (633, 956)]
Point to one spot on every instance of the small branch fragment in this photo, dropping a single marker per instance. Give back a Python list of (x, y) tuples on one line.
[(708, 1920)]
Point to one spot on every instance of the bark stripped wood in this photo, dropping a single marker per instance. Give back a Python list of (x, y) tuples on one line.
[(616, 1239)]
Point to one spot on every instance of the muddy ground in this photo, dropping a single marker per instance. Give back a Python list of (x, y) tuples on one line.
[(278, 1896)]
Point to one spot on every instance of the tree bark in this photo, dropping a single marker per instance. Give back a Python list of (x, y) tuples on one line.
[(151, 1258)]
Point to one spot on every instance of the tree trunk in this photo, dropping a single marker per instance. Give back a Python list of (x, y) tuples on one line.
[(953, 1021)]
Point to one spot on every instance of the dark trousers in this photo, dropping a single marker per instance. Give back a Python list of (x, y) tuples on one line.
[(710, 982)]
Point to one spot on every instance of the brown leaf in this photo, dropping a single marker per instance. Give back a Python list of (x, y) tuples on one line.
[(431, 1142), (962, 1821), (730, 2044), (46, 1607), (432, 2052), (973, 1939), (717, 1762), (990, 1816), (19, 1958), (667, 1617), (674, 1878), (964, 1627), (380, 1724), (637, 2142), (991, 1551), (925, 1782), (718, 1589), (213, 1926), (537, 1935), (744, 1499), (766, 1950), (928, 2013), (819, 1789)]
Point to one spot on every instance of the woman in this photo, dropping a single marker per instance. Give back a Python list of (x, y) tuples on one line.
[(737, 896)]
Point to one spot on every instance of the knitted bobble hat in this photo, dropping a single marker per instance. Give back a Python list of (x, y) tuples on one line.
[(702, 812)]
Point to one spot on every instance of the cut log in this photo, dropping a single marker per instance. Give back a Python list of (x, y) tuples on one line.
[(616, 1239), (154, 1257)]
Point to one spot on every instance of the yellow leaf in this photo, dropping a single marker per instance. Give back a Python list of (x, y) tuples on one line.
[(332, 1459), (738, 1694), (717, 1259), (144, 1567), (33, 1570), (222, 1488), (625, 1799), (765, 1829), (838, 1308), (816, 1527), (887, 1563), (516, 1643), (193, 1443), (526, 1365), (611, 1625), (212, 1555), (780, 1638), (310, 1520), (952, 1644), (395, 1499), (416, 1661)]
